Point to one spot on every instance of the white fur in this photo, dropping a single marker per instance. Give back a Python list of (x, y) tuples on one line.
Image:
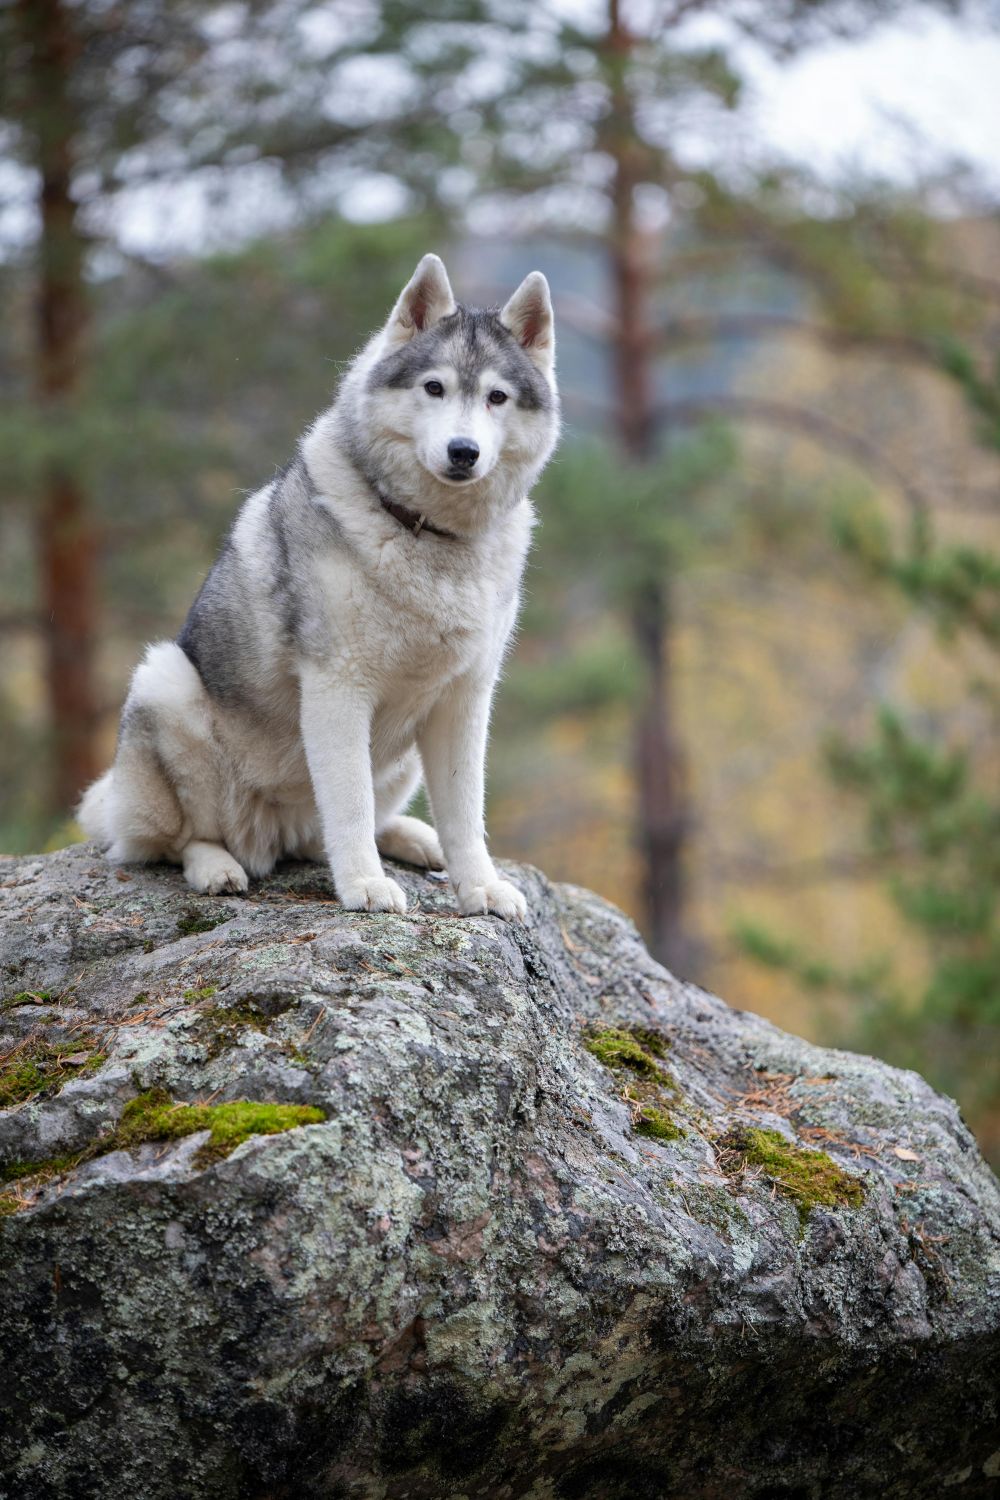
[(405, 638)]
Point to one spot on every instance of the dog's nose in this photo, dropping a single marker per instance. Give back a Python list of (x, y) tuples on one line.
[(463, 452)]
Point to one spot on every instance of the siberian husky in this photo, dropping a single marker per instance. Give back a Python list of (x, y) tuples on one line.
[(349, 637)]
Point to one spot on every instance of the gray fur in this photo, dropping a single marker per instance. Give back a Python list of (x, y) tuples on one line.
[(218, 636), (471, 339)]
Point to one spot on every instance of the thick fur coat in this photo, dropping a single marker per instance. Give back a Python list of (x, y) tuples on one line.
[(349, 637)]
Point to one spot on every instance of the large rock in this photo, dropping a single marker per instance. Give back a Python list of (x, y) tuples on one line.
[(502, 1266)]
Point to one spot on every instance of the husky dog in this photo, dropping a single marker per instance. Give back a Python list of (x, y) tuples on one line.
[(350, 634)]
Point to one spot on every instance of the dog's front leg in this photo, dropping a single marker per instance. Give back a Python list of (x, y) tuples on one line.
[(336, 732), (453, 750)]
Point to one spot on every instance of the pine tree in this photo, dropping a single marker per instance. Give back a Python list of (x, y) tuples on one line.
[(932, 811)]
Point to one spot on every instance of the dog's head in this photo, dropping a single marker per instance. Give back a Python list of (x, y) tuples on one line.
[(466, 389)]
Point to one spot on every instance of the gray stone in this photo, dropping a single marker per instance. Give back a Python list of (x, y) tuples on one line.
[(475, 1279)]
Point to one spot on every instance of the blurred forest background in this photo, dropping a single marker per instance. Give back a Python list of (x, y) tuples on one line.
[(756, 694)]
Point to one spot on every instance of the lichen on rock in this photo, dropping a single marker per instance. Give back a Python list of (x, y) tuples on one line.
[(364, 1207)]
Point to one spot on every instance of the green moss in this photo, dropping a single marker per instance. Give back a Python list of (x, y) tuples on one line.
[(38, 1064), (154, 1116), (810, 1179), (220, 1026), (632, 1047), (634, 1054), (192, 921), (657, 1123), (53, 1167), (26, 997), (302, 1059), (205, 993)]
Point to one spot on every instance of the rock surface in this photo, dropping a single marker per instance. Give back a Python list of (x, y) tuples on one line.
[(476, 1277)]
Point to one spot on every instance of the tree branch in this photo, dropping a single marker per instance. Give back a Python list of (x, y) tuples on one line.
[(694, 329), (824, 430)]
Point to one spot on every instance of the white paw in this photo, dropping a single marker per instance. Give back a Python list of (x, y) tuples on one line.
[(498, 896), (412, 841), (377, 893), (210, 873)]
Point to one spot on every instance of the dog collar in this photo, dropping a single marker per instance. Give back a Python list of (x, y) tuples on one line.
[(413, 521)]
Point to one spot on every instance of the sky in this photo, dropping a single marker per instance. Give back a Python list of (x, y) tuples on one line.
[(910, 97), (911, 94)]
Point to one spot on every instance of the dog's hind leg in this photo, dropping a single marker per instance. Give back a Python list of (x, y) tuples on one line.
[(165, 792), (397, 836)]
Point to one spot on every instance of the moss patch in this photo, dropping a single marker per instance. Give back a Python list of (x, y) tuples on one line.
[(154, 1116), (220, 1026), (26, 997), (810, 1179), (656, 1123), (634, 1054), (192, 920), (632, 1047), (37, 1064), (205, 993)]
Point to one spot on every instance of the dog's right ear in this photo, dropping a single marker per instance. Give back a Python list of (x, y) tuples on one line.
[(425, 300)]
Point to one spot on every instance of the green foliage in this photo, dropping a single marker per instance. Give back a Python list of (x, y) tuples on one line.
[(631, 522), (594, 674), (959, 586), (814, 973), (982, 391), (933, 822)]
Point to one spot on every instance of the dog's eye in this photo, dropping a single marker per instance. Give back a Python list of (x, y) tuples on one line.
[(497, 398), (433, 387)]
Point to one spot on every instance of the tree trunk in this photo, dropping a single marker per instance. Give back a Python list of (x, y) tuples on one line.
[(658, 765), (66, 542)]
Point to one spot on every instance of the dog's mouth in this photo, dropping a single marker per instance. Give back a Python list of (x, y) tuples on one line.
[(459, 476)]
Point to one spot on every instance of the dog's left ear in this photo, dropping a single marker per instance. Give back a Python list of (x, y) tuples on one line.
[(425, 300), (528, 315)]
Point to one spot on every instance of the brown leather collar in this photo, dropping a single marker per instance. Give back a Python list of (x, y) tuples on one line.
[(413, 521)]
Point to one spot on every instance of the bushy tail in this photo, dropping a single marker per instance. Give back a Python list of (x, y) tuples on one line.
[(93, 810)]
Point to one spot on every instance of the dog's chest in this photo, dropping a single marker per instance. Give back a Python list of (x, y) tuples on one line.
[(417, 619)]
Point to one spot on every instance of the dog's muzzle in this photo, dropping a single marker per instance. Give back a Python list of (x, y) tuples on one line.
[(462, 455)]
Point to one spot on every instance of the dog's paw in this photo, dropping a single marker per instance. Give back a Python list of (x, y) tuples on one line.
[(211, 872), (497, 896), (411, 841), (377, 893)]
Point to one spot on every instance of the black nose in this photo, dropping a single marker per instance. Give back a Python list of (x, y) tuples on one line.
[(462, 452)]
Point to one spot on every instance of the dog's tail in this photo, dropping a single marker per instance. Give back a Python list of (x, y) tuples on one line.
[(93, 812)]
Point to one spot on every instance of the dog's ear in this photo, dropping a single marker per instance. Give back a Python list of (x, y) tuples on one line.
[(528, 315), (425, 300)]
